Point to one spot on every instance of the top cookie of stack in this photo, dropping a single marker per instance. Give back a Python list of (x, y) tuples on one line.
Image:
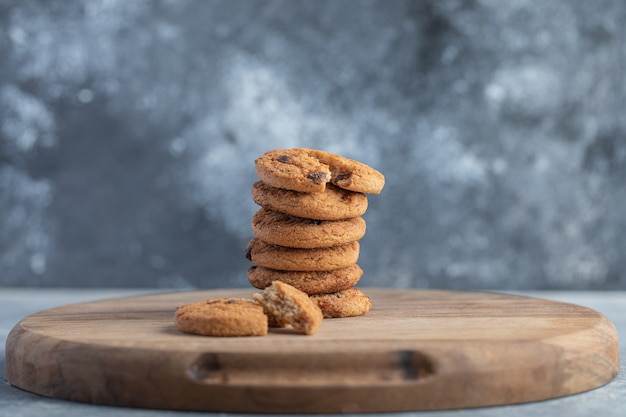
[(309, 170), (307, 231)]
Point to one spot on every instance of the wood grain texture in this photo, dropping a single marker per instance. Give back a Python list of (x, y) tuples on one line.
[(415, 350)]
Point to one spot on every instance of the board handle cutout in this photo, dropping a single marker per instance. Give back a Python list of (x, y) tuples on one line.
[(331, 368)]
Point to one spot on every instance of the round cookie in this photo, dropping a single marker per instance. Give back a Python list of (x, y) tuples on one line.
[(348, 303), (222, 317), (333, 204), (309, 170), (292, 169), (295, 232), (286, 304), (312, 282), (261, 253)]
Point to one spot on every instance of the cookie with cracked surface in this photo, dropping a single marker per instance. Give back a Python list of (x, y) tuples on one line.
[(309, 170), (333, 204), (311, 282), (349, 303), (350, 174), (265, 254), (296, 232), (287, 304), (222, 317)]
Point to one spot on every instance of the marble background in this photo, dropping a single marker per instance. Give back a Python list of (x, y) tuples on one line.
[(129, 131)]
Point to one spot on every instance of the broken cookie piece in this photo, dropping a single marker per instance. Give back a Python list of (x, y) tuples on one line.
[(286, 304), (222, 317)]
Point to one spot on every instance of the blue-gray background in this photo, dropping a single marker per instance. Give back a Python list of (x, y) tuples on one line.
[(129, 131)]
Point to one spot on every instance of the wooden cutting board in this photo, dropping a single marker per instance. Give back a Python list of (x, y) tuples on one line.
[(415, 350)]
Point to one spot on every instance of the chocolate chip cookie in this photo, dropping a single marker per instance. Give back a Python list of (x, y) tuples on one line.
[(310, 282), (332, 204), (295, 232), (309, 170), (222, 317), (261, 253)]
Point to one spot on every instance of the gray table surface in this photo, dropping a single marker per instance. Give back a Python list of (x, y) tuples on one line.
[(17, 303)]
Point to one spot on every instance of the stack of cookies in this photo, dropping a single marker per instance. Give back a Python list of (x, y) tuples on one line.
[(309, 225)]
